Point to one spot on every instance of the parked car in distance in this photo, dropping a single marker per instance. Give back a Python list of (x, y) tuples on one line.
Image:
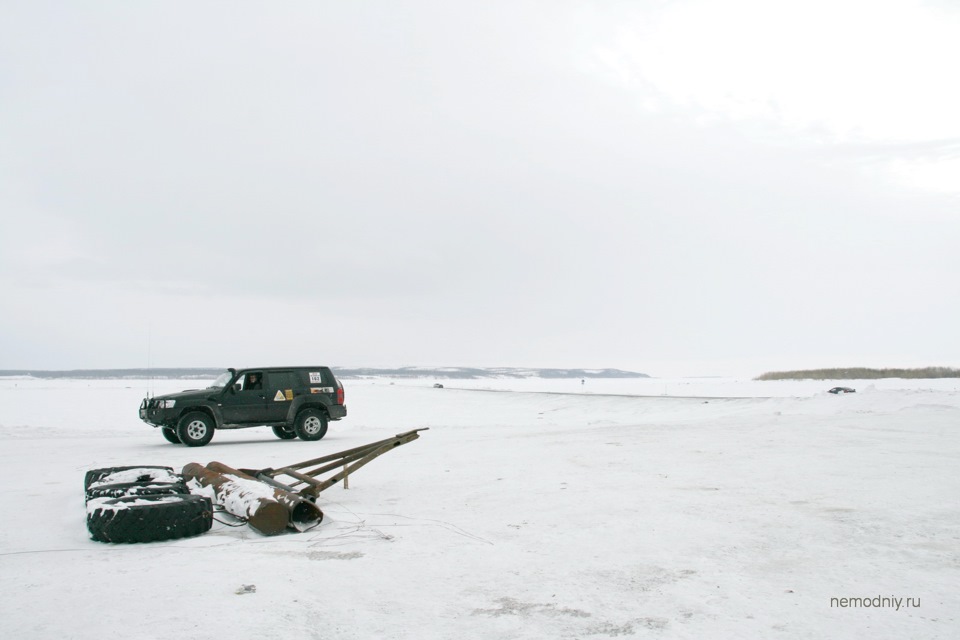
[(294, 401), (837, 390)]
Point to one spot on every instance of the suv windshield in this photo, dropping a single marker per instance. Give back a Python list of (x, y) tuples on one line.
[(222, 380)]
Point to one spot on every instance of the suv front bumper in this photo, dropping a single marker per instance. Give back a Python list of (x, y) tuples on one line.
[(155, 416)]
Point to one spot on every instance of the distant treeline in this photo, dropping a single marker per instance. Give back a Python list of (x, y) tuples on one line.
[(341, 372), (861, 373)]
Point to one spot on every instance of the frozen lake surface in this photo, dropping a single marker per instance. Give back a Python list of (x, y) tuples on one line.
[(681, 508)]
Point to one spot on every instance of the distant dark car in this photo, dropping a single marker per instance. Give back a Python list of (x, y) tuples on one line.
[(837, 390), (438, 386)]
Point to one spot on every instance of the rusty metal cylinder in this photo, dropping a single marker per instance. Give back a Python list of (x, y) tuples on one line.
[(267, 509)]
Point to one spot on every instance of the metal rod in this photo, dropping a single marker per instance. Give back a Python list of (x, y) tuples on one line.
[(349, 461), (333, 456)]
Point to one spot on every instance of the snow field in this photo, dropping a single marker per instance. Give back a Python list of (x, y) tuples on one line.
[(570, 514)]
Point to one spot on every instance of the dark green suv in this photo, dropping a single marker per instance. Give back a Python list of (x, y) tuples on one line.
[(295, 401)]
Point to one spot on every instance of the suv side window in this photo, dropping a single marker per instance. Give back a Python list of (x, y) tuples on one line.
[(282, 380), (251, 381)]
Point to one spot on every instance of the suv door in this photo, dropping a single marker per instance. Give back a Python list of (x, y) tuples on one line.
[(248, 404), (279, 388)]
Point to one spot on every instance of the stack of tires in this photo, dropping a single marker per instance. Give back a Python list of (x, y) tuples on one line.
[(143, 504)]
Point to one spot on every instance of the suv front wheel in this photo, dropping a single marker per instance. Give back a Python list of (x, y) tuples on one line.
[(310, 424), (195, 429), (284, 433)]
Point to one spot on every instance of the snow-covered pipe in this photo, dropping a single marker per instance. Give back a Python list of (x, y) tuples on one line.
[(267, 509)]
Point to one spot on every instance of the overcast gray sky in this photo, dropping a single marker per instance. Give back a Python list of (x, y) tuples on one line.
[(686, 187)]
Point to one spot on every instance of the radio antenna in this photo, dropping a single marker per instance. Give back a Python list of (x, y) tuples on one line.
[(149, 370)]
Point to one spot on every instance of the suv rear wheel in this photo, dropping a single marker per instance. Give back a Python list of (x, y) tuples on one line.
[(311, 424), (195, 429)]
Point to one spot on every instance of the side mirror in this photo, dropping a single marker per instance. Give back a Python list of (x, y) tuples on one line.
[(235, 388)]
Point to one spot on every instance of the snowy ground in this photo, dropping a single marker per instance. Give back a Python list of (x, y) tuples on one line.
[(606, 509)]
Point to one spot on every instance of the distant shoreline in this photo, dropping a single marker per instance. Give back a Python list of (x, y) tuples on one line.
[(449, 373), (861, 373)]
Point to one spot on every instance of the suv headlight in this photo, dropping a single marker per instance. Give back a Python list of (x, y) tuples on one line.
[(166, 404)]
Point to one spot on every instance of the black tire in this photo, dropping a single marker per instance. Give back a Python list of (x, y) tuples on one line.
[(95, 475), (124, 489), (149, 518), (284, 433), (311, 424), (195, 429), (170, 435)]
